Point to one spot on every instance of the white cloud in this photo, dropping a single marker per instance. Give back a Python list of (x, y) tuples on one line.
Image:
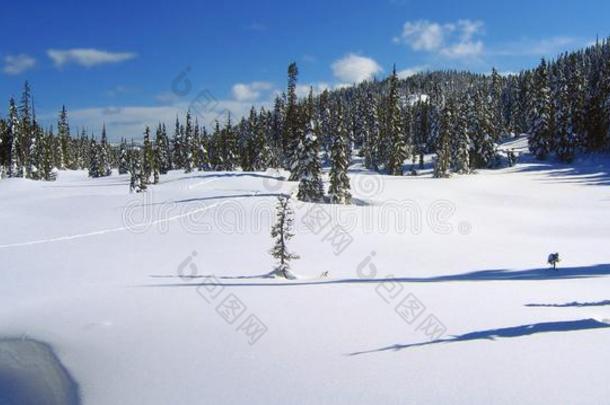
[(451, 40), (16, 64), (87, 57), (251, 91), (422, 35), (355, 69), (403, 74)]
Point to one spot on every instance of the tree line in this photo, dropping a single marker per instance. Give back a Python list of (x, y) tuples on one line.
[(460, 117)]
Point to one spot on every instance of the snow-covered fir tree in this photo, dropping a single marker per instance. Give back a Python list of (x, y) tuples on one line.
[(105, 153), (540, 113), (370, 136), (137, 182), (123, 157), (163, 149), (95, 164), (443, 149), (202, 157), (394, 132), (460, 141), (307, 167), (148, 157), (177, 146), (63, 133), (187, 153), (565, 141), (292, 130), (282, 232), (339, 190)]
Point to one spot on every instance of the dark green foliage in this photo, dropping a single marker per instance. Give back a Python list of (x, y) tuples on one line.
[(282, 232)]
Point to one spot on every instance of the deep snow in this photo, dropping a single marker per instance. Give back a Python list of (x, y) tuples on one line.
[(468, 311)]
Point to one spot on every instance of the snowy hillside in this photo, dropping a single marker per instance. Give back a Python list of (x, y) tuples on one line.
[(437, 290)]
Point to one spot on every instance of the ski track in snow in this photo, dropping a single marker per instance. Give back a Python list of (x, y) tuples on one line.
[(118, 229)]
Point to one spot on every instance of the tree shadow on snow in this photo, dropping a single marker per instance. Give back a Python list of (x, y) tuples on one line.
[(218, 197), (593, 170), (541, 274), (510, 332), (572, 304), (225, 175)]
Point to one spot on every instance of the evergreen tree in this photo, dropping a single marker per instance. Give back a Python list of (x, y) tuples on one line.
[(540, 114), (35, 154), (95, 164), (497, 127), (394, 132), (577, 97), (188, 144), (339, 190), (325, 124), (276, 124), (163, 149), (443, 149), (148, 157), (4, 148), (123, 157), (203, 159), (247, 131), (46, 160), (23, 135), (565, 140), (596, 119), (422, 131), (177, 142), (308, 168), (12, 125), (282, 233), (156, 164), (370, 136), (104, 150), (483, 152), (137, 182), (292, 123), (63, 133), (263, 151), (460, 140)]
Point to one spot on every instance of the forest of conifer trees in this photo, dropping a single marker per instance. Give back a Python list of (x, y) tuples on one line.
[(563, 105)]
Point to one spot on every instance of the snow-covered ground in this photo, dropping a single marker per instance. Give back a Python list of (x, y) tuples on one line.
[(437, 290)]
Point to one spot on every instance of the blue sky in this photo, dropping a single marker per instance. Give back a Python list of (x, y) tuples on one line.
[(134, 63)]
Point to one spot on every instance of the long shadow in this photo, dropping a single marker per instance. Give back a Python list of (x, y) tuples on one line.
[(125, 183), (572, 304), (217, 197), (542, 274), (591, 170), (225, 175), (510, 332)]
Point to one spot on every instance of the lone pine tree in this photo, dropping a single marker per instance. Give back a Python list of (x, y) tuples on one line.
[(282, 233)]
